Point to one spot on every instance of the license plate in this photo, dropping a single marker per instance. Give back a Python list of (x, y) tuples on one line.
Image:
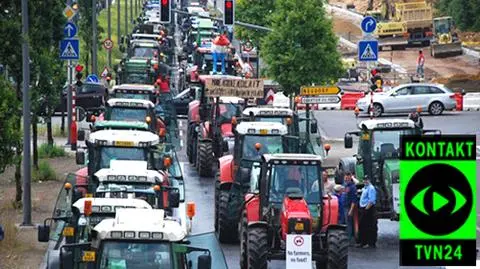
[(88, 256), (263, 131), (299, 226), (124, 143), (68, 231)]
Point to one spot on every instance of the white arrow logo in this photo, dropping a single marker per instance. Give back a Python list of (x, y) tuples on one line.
[(69, 29), (369, 23)]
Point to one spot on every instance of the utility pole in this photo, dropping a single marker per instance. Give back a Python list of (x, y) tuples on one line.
[(126, 17), (119, 26), (69, 93), (94, 37), (136, 8), (27, 176), (109, 32), (131, 10)]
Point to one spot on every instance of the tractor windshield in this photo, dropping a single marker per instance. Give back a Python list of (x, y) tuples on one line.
[(442, 26), (388, 141), (108, 154), (228, 111), (269, 144), (282, 120), (133, 254), (144, 52), (304, 178), (138, 78), (132, 95), (128, 113)]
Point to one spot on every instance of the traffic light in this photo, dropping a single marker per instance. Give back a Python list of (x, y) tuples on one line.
[(229, 12), (165, 10)]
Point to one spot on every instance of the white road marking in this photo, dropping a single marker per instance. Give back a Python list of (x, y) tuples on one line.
[(181, 133), (180, 123), (181, 143)]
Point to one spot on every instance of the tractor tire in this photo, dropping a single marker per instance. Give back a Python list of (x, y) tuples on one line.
[(227, 229), (216, 193), (337, 250), (204, 159), (242, 231), (257, 248)]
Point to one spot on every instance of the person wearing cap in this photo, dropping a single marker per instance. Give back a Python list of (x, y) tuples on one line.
[(338, 191), (367, 216), (350, 195), (219, 47)]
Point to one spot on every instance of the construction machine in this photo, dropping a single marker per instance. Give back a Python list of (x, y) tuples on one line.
[(390, 33), (445, 41)]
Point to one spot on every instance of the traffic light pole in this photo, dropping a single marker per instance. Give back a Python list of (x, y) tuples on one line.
[(69, 100), (94, 37), (109, 31), (126, 17)]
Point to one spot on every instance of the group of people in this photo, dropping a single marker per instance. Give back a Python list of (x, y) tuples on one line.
[(346, 194)]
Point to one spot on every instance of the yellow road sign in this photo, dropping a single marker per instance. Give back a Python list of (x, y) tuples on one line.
[(319, 90), (69, 12)]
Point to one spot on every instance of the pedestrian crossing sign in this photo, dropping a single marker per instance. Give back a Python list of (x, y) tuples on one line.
[(368, 50), (69, 49)]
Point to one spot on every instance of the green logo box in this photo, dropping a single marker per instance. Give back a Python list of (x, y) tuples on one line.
[(438, 198)]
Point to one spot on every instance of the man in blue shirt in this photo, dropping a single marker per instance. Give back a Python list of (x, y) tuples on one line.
[(338, 192), (368, 220), (350, 203)]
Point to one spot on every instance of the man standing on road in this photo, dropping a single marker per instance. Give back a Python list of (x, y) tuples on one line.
[(327, 184), (368, 220), (350, 204), (420, 64)]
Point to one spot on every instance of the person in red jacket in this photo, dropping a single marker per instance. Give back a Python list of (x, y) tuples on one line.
[(219, 50), (163, 84)]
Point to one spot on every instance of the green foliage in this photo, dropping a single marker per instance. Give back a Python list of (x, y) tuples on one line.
[(50, 151), (254, 12), (302, 48), (44, 172), (466, 13), (86, 32), (10, 136)]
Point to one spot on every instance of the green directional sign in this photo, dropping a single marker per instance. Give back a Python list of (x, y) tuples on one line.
[(438, 198)]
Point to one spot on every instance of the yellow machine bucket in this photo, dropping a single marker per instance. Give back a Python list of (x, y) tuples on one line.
[(446, 50)]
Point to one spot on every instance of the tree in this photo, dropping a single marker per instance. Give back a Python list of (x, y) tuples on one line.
[(10, 136), (254, 12), (85, 31), (466, 13), (302, 48)]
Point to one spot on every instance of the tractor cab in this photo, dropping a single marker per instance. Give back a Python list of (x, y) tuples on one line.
[(252, 139), (134, 91), (136, 70), (287, 198), (118, 145), (202, 34), (142, 238), (146, 49), (378, 158)]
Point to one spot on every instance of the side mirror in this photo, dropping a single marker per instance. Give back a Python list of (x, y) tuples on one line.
[(81, 135), (173, 198), (43, 233), (80, 157), (359, 158), (313, 127), (348, 141), (204, 261), (225, 146)]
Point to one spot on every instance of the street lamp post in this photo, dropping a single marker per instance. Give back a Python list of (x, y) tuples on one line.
[(126, 17), (109, 31), (94, 37)]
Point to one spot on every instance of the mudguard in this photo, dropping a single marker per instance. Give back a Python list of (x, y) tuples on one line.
[(329, 211), (252, 208), (204, 130), (193, 110), (226, 170), (255, 224), (332, 227)]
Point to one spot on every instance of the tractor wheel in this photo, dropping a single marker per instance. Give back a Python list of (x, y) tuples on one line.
[(204, 159), (217, 190), (227, 229), (257, 248), (337, 250), (242, 231)]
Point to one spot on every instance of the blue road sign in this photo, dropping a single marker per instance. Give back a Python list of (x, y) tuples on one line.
[(368, 50), (70, 30), (92, 78), (69, 49), (369, 24)]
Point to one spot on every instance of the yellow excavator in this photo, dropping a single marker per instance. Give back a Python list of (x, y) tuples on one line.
[(390, 33), (445, 42)]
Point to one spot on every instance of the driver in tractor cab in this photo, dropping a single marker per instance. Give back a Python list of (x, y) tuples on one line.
[(415, 117)]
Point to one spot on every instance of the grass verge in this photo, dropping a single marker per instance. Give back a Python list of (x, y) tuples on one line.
[(50, 151)]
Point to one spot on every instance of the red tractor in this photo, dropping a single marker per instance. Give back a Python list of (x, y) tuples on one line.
[(286, 197), (252, 139), (210, 128)]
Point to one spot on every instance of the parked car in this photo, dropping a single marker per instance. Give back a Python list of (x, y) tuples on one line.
[(434, 98), (181, 101), (90, 96)]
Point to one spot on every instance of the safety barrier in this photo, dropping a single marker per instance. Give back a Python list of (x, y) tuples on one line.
[(349, 100), (471, 102)]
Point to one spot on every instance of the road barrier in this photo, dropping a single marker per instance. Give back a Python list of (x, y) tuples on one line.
[(349, 100), (471, 102)]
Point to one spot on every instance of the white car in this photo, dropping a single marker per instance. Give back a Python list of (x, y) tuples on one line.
[(406, 98)]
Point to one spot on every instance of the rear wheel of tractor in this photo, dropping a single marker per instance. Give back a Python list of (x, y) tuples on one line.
[(337, 250), (242, 231), (189, 146), (217, 190), (204, 159), (227, 229), (257, 248)]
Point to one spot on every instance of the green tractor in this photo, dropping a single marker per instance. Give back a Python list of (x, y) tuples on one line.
[(136, 70), (378, 159)]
